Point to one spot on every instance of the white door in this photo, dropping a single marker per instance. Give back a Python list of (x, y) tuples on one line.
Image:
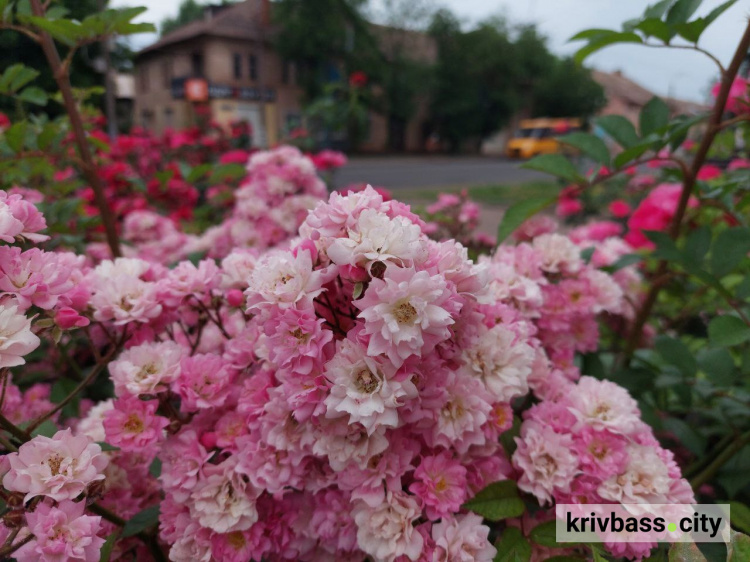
[(251, 112)]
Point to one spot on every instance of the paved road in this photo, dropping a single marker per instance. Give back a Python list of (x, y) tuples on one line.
[(432, 171)]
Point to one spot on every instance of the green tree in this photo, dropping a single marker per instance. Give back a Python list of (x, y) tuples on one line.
[(327, 39), (18, 48), (486, 75), (189, 11)]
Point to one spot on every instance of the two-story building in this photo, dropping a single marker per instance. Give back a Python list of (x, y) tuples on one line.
[(226, 64)]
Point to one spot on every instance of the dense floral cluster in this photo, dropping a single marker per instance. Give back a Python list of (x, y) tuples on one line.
[(548, 282), (281, 187), (338, 396), (455, 216)]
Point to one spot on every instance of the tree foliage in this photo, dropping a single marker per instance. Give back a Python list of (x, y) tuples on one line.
[(486, 75)]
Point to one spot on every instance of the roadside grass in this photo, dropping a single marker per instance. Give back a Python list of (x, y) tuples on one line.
[(501, 195)]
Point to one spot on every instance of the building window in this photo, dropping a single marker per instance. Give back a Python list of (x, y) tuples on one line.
[(237, 66), (253, 63), (197, 63)]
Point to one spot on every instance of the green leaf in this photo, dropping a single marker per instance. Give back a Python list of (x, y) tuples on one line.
[(682, 10), (16, 135), (554, 164), (48, 134), (602, 40), (47, 428), (729, 249), (198, 172), (718, 364), (739, 547), (739, 515), (16, 77), (34, 95), (657, 10), (564, 558), (676, 353), (727, 331), (141, 521), (545, 534), (716, 12), (512, 547), (654, 27), (686, 435), (106, 446), (654, 116), (619, 128), (634, 152), (591, 33), (508, 437), (106, 551), (698, 243), (590, 145), (499, 500), (223, 172), (155, 468), (713, 551), (518, 213)]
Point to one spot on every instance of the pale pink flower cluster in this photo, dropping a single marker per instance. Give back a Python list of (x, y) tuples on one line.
[(282, 185), (19, 218), (589, 445), (337, 396), (546, 279)]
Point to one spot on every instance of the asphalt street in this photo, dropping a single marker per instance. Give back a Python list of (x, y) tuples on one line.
[(396, 172)]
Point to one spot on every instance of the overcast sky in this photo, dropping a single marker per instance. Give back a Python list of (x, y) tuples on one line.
[(681, 74)]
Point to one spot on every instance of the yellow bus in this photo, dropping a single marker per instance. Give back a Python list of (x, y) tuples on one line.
[(537, 136)]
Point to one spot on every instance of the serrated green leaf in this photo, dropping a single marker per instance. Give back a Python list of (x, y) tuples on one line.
[(590, 145), (154, 468), (198, 172), (34, 95), (512, 547), (499, 500), (654, 116), (658, 10), (713, 551), (739, 516), (605, 40), (554, 164), (676, 353), (698, 243), (590, 33), (681, 11), (729, 249), (739, 547), (16, 135), (106, 551), (47, 428), (654, 27), (727, 331), (141, 521), (633, 153), (619, 128), (718, 364), (686, 435), (518, 213), (545, 534)]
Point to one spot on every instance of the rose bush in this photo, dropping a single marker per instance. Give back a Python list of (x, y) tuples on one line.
[(266, 371)]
